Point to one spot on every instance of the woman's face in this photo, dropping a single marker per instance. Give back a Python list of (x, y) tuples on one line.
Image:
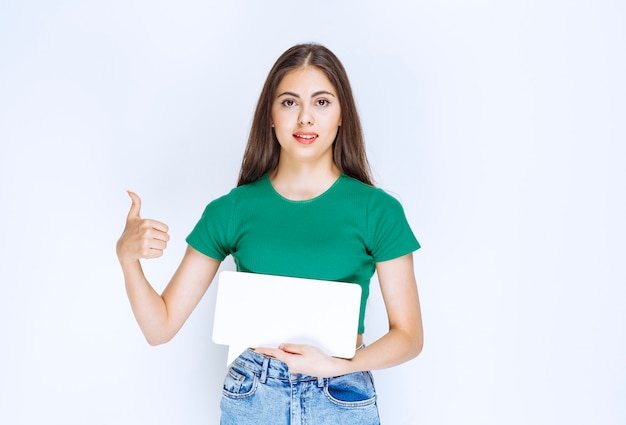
[(306, 116)]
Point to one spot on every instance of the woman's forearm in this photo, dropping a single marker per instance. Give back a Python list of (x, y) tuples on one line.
[(148, 306), (394, 348)]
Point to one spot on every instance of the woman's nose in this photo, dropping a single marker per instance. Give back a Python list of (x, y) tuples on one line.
[(305, 117)]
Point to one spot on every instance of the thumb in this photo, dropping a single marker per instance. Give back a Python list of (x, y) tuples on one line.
[(292, 348), (135, 207)]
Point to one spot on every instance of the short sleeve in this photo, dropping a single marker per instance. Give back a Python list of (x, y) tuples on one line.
[(389, 233), (211, 235)]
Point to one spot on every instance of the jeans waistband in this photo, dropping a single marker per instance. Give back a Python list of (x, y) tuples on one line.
[(265, 366)]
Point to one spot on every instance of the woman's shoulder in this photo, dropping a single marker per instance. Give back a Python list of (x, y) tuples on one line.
[(355, 187), (240, 196), (246, 190)]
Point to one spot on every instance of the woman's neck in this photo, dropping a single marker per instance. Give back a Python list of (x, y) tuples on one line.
[(302, 182)]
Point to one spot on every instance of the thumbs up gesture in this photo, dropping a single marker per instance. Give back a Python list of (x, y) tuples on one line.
[(142, 238)]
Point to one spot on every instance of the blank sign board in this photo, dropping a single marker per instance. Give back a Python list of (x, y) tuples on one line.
[(258, 310)]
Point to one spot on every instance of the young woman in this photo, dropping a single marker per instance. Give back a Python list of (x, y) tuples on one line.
[(305, 207)]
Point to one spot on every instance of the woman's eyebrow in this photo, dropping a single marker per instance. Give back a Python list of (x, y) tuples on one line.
[(297, 96), (288, 93), (321, 92)]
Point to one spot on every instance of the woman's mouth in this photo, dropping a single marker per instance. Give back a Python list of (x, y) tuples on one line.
[(305, 138)]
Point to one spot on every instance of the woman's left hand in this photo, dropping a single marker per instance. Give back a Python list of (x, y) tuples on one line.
[(307, 360)]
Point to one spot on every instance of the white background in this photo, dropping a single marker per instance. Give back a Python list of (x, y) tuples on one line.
[(499, 124)]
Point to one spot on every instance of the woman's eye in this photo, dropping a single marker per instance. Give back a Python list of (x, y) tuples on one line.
[(323, 102), (288, 102)]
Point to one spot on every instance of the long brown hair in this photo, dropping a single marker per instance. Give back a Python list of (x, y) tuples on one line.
[(262, 152)]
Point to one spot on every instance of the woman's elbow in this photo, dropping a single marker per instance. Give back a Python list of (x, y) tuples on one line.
[(158, 339), (418, 346)]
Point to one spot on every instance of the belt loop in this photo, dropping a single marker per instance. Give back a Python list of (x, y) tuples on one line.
[(320, 382), (266, 362)]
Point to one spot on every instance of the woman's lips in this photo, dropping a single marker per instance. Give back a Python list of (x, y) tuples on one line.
[(305, 138)]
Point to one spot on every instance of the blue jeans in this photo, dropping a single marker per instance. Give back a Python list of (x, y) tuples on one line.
[(259, 390)]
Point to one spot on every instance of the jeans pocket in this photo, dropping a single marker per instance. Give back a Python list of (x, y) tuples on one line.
[(351, 390), (239, 382)]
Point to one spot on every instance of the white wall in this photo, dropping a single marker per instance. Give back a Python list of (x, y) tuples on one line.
[(500, 125)]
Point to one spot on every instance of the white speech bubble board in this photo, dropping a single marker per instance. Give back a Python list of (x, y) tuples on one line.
[(259, 310)]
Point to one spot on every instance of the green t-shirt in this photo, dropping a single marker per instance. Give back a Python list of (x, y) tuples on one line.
[(339, 235)]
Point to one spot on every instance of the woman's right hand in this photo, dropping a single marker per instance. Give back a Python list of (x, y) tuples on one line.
[(142, 238)]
